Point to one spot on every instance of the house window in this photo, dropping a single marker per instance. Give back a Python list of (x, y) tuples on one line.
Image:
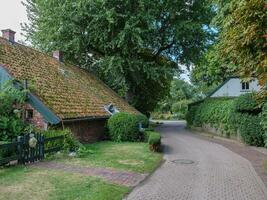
[(111, 109), (28, 114), (245, 86)]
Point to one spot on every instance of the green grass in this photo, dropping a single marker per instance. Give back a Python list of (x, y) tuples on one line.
[(23, 183), (27, 183), (135, 157)]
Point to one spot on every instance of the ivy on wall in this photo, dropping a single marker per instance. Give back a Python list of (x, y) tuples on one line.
[(230, 116)]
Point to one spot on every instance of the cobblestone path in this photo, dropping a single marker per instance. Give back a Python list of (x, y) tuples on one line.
[(114, 176), (197, 169)]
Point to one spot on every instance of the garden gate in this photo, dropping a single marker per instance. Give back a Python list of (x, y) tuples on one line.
[(29, 148)]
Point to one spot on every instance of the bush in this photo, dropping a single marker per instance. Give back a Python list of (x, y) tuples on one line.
[(143, 119), (264, 123), (154, 141), (250, 129), (123, 127), (247, 103), (69, 143), (229, 116), (11, 105)]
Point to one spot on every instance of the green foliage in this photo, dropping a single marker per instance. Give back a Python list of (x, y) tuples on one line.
[(174, 105), (264, 122), (129, 44), (143, 119), (210, 71), (12, 99), (154, 141), (250, 129), (123, 127), (240, 48), (69, 142), (247, 103), (229, 116), (242, 39)]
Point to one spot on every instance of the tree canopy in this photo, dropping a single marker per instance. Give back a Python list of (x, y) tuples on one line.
[(240, 48), (135, 46)]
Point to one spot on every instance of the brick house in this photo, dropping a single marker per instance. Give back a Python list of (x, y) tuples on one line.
[(61, 95)]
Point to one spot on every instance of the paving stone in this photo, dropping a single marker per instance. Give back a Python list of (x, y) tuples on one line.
[(216, 174), (114, 176)]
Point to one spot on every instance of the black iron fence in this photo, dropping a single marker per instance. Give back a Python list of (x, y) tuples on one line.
[(28, 148)]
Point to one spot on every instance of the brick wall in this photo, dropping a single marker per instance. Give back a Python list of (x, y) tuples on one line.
[(87, 131), (37, 120)]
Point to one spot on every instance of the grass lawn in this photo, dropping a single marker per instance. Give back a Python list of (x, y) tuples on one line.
[(27, 183), (23, 183), (135, 157)]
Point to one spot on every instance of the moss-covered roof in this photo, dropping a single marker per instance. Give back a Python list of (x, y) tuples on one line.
[(70, 92)]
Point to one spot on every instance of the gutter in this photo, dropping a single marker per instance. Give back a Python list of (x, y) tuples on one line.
[(91, 118)]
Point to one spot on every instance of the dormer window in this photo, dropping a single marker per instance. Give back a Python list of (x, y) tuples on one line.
[(111, 109), (245, 86)]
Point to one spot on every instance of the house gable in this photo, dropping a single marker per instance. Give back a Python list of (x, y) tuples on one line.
[(233, 87)]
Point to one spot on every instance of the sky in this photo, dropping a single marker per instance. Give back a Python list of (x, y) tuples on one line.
[(13, 13)]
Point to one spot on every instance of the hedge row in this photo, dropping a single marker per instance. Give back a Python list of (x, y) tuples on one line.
[(231, 116)]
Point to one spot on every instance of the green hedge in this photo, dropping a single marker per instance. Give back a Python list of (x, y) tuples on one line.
[(154, 140), (143, 119), (247, 103), (123, 127), (230, 115), (264, 122)]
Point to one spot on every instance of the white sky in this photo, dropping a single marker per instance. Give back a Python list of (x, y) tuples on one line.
[(12, 13)]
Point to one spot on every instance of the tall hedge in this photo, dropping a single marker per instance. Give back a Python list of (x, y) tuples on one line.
[(230, 116)]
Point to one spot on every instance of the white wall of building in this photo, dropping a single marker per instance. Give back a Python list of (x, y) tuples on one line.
[(233, 88)]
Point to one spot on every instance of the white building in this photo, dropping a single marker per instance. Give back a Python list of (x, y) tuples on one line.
[(234, 87)]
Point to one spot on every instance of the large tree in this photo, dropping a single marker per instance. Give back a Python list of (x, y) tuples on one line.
[(243, 36), (133, 45)]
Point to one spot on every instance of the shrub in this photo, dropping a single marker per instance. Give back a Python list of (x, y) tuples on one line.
[(143, 119), (11, 100), (229, 116), (154, 141), (123, 127), (69, 142), (247, 103), (250, 129), (264, 122)]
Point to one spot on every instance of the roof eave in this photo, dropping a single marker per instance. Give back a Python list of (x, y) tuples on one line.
[(87, 118)]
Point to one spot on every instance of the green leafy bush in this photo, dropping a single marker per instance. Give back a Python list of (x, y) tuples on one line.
[(143, 119), (250, 129), (69, 142), (230, 116), (247, 103), (11, 100), (123, 127), (154, 141), (264, 122)]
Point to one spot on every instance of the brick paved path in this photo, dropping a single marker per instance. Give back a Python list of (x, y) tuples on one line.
[(216, 174), (114, 176)]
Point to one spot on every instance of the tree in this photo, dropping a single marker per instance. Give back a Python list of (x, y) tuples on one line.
[(176, 102), (243, 41), (132, 45)]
